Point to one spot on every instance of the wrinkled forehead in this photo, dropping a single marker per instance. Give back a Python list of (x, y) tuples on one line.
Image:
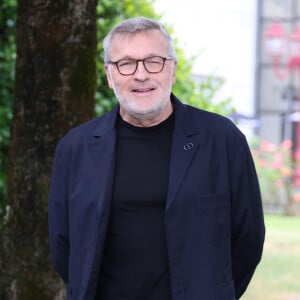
[(152, 34), (127, 43)]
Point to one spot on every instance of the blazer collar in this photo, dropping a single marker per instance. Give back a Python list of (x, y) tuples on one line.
[(185, 144), (184, 122), (108, 123)]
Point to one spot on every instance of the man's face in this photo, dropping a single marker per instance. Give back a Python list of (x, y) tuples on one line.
[(142, 96)]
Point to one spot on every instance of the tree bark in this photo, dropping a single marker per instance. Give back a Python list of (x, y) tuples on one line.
[(54, 91)]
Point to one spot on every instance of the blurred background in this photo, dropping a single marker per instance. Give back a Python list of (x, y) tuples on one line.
[(237, 58)]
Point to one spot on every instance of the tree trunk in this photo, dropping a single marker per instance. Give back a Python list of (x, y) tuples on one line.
[(55, 87)]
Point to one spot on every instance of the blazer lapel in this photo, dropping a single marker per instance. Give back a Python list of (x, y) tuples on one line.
[(184, 146), (102, 147)]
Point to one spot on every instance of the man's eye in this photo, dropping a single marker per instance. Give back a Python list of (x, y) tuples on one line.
[(126, 63), (154, 61)]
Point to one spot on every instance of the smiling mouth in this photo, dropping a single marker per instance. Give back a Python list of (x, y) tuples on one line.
[(145, 90)]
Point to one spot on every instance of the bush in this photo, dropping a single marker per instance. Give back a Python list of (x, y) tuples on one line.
[(275, 166)]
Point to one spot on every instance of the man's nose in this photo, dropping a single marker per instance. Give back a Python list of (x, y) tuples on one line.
[(141, 72)]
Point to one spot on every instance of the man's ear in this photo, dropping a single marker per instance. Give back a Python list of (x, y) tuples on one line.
[(108, 75)]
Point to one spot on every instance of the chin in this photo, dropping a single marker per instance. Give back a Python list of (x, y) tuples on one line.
[(144, 114)]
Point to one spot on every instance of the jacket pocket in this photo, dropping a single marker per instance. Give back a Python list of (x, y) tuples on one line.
[(213, 212)]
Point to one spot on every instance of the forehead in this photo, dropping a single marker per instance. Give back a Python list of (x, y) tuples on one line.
[(138, 45)]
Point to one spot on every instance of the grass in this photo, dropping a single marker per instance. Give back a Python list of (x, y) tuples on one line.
[(278, 275)]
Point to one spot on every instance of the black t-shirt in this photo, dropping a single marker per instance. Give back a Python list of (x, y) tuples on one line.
[(135, 261)]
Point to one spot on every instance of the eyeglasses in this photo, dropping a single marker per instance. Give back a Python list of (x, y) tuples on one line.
[(152, 64)]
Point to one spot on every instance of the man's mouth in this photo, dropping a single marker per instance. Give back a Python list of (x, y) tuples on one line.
[(143, 90)]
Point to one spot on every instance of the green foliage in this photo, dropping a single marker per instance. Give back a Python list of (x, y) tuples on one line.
[(7, 63)]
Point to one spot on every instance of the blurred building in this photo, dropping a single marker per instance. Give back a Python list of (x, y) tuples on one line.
[(276, 100)]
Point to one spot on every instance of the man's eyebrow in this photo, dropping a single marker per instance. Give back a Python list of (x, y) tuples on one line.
[(126, 57)]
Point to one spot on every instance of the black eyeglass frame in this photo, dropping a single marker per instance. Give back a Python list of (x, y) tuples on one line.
[(116, 63)]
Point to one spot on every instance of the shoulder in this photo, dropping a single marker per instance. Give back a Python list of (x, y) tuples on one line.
[(209, 122), (82, 133), (211, 128), (213, 121), (220, 132)]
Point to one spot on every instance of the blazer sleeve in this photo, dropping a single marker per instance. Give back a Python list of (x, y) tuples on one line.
[(58, 214), (248, 228)]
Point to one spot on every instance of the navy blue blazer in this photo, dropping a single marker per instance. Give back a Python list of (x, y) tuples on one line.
[(213, 218)]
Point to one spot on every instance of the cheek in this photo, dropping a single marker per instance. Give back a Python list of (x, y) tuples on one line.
[(169, 77), (174, 75), (119, 85), (113, 83), (108, 76), (173, 80)]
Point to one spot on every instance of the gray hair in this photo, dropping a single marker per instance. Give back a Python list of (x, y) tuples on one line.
[(134, 25)]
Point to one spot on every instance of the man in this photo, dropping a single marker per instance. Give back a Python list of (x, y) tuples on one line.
[(155, 200)]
